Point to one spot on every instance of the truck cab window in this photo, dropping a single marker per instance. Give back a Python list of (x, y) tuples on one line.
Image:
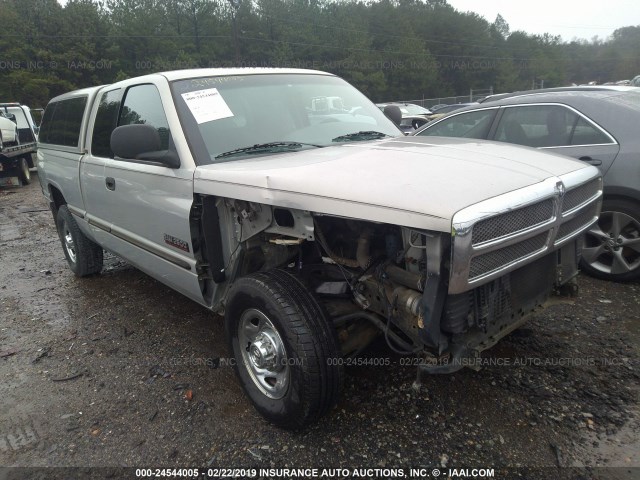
[(46, 122), (105, 123), (142, 105), (62, 124)]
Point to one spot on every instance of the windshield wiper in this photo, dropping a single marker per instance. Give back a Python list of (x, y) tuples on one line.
[(266, 147), (364, 135)]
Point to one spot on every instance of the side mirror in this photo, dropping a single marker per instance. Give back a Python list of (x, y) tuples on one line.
[(142, 142), (393, 113), (11, 117)]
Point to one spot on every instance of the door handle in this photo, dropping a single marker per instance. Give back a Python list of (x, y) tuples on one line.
[(111, 183), (590, 160)]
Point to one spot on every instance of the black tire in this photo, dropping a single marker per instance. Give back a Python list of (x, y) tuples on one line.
[(23, 171), (83, 256), (612, 246), (311, 382)]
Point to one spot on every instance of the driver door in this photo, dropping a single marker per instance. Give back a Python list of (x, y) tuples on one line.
[(143, 207)]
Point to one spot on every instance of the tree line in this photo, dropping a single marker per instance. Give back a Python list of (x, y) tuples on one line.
[(389, 49)]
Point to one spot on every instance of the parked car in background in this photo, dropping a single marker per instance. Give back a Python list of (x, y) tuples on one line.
[(8, 130), (435, 108), (17, 145), (598, 125), (570, 88), (415, 110), (636, 81), (413, 116), (22, 116), (447, 109)]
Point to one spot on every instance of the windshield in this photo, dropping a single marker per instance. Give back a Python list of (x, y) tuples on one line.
[(225, 118)]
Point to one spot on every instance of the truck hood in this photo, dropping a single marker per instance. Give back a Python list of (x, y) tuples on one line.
[(411, 181)]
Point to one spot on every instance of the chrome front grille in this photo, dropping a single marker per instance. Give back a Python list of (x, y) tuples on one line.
[(523, 225), (497, 259), (584, 218), (512, 222), (579, 195)]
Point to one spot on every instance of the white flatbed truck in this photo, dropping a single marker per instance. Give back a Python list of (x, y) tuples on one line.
[(16, 160)]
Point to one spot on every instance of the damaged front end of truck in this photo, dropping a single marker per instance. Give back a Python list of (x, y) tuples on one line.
[(443, 297)]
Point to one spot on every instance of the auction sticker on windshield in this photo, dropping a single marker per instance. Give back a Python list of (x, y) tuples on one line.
[(207, 105)]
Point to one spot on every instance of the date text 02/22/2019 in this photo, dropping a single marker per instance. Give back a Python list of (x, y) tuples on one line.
[(211, 473)]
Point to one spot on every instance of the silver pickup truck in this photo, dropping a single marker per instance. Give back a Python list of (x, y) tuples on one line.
[(312, 230)]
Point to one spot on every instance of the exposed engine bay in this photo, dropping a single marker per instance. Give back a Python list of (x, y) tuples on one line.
[(379, 279)]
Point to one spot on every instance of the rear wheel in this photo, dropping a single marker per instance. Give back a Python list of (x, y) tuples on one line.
[(286, 349), (612, 246), (23, 171), (83, 256)]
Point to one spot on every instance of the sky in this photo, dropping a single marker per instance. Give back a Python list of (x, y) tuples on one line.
[(568, 18)]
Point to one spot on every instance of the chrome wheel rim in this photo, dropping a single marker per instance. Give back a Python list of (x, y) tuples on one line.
[(263, 353), (612, 245), (69, 244)]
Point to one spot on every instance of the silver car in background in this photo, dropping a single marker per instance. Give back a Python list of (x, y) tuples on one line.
[(598, 125)]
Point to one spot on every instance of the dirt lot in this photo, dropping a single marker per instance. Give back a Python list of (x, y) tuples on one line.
[(118, 370)]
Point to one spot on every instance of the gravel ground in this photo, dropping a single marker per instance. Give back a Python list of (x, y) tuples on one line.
[(118, 370)]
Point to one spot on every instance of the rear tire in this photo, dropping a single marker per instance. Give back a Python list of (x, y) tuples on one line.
[(286, 349), (83, 256), (23, 171), (612, 246)]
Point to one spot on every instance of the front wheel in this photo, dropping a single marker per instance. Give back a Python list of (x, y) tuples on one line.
[(286, 350), (83, 256), (612, 246)]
